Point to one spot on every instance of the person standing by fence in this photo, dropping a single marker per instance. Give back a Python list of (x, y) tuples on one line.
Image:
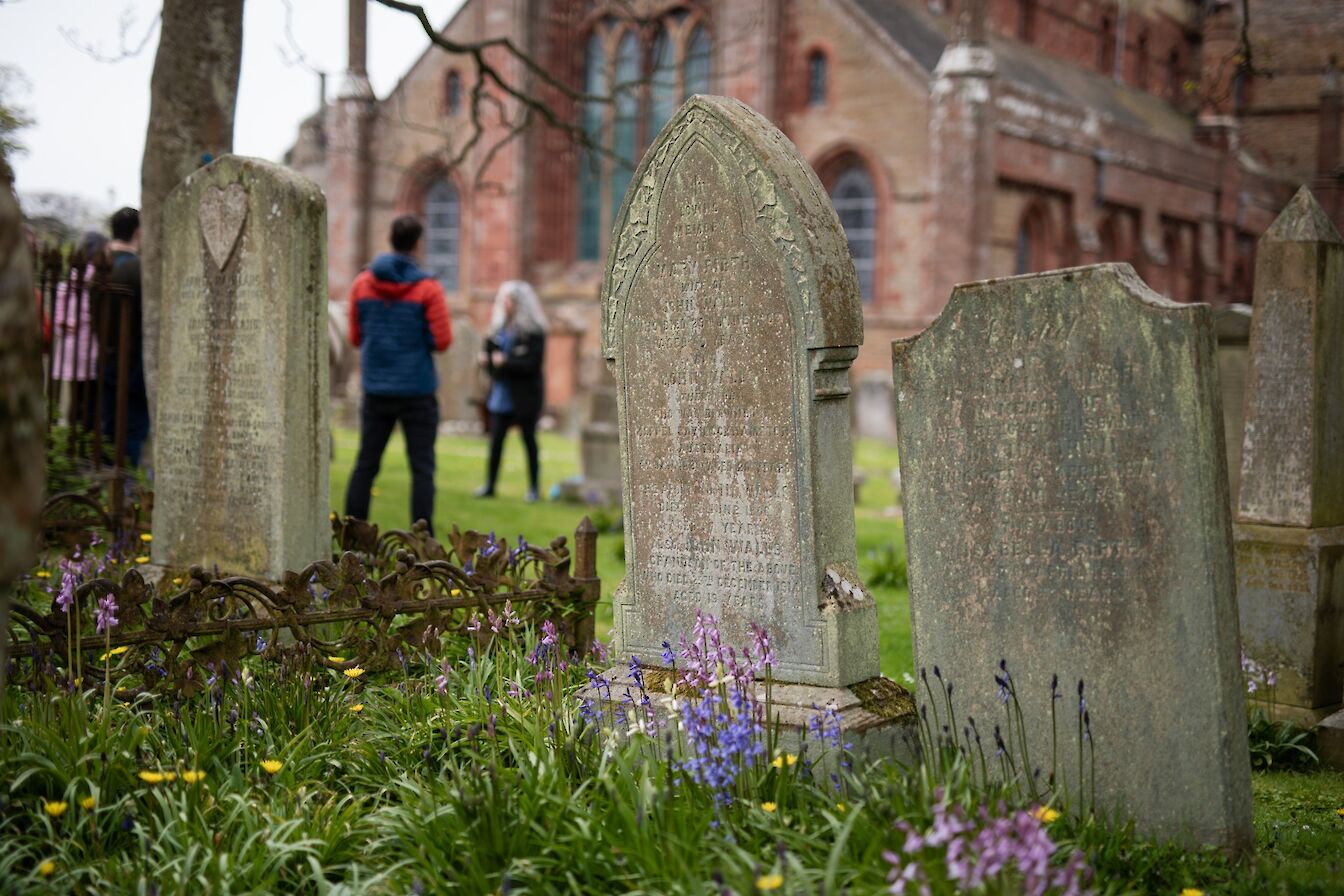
[(512, 356), (398, 317), (123, 289), (76, 350)]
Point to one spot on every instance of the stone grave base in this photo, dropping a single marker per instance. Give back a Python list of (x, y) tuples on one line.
[(877, 717), (1290, 596), (1330, 741), (584, 491)]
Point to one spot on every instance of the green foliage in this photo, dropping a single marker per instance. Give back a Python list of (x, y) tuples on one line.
[(1278, 744), (885, 568), (63, 474), (464, 773), (13, 116)]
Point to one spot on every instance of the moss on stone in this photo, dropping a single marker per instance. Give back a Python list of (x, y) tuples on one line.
[(885, 698)]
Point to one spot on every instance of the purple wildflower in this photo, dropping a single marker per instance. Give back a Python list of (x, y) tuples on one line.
[(106, 614)]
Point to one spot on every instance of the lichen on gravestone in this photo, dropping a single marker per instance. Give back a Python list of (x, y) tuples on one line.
[(1066, 510), (243, 441)]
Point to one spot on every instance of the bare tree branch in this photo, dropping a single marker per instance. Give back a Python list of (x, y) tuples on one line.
[(128, 49)]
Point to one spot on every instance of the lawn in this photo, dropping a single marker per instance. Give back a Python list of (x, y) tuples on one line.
[(484, 765), (461, 469)]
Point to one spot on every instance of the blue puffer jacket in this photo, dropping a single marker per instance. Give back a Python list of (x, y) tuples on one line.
[(398, 316)]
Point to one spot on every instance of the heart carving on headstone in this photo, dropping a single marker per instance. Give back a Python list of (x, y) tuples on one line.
[(222, 212)]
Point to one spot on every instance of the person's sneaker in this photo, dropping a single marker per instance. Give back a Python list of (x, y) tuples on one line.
[(532, 496), (484, 491)]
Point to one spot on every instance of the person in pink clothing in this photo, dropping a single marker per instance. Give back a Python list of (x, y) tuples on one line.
[(75, 344)]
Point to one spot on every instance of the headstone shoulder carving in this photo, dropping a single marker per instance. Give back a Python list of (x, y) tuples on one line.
[(243, 441), (1066, 510), (731, 316)]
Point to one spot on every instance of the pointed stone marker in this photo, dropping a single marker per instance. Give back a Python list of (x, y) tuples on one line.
[(1290, 518)]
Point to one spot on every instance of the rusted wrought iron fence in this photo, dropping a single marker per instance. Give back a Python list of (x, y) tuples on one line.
[(385, 598), (88, 373)]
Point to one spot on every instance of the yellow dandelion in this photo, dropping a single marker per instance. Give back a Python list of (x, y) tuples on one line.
[(193, 776), (1191, 891), (146, 537), (335, 659), (88, 803), (456, 592), (841, 807), (769, 882), (142, 559), (785, 759), (1340, 812), (358, 707), (272, 766), (55, 808), (150, 777), (768, 807), (353, 673), (170, 777), (47, 868), (43, 573), (1044, 813), (115, 651)]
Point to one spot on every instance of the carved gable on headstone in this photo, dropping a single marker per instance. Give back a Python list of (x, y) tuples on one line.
[(243, 439), (731, 316)]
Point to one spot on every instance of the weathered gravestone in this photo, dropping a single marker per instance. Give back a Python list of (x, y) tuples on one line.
[(874, 416), (241, 477), (460, 377), (731, 316), (1066, 510), (1232, 328), (599, 481), (1290, 518)]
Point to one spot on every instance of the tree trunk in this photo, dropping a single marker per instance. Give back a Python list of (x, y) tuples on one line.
[(192, 96), (23, 419)]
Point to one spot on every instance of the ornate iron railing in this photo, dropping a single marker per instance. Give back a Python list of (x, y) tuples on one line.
[(385, 595)]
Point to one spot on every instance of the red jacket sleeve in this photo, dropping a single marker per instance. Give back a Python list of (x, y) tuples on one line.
[(352, 311), (436, 312)]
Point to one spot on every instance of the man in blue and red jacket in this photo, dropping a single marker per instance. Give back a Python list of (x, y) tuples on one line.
[(398, 317)]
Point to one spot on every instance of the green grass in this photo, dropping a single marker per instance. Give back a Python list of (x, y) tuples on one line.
[(494, 783), (461, 469)]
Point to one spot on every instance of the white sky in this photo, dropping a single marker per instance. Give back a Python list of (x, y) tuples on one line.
[(91, 115)]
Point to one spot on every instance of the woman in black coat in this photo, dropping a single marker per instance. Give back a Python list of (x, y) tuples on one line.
[(512, 356)]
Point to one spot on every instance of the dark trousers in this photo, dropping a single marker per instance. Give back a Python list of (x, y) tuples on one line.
[(378, 416), (137, 411), (499, 426)]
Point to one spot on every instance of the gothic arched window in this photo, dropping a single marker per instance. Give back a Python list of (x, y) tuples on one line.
[(648, 74), (443, 231), (818, 72), (452, 93), (1106, 46), (1033, 252), (855, 201)]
